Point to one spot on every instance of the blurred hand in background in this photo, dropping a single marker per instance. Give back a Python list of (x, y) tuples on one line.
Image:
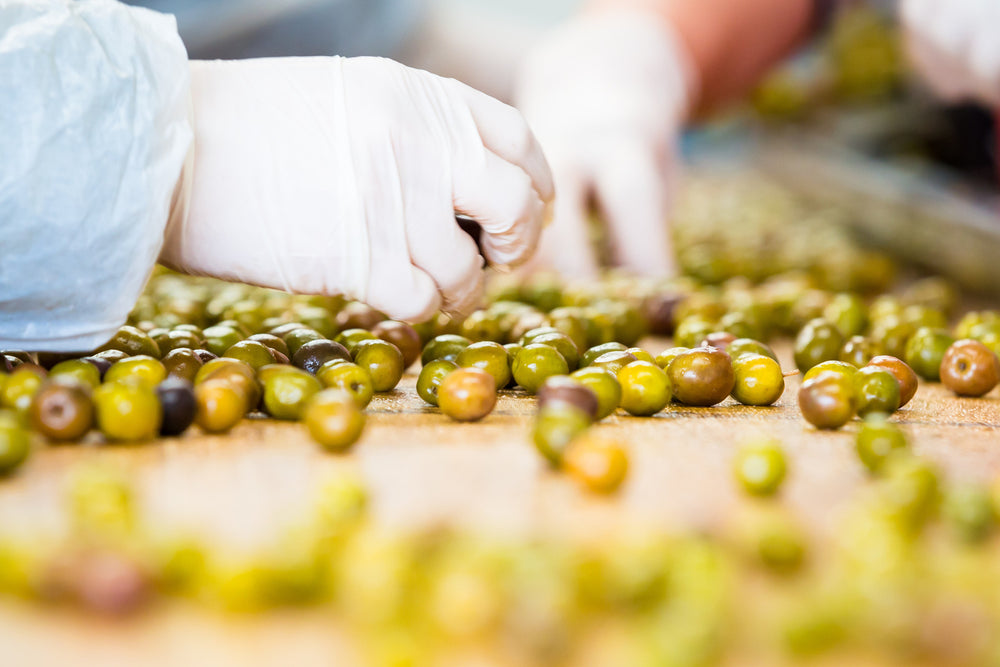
[(608, 94), (955, 45)]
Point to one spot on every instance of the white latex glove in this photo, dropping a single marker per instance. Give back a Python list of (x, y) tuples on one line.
[(955, 44), (342, 176), (94, 129), (606, 95)]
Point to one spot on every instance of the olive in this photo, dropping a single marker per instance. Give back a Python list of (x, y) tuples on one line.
[(570, 321), (15, 442), (20, 387), (446, 346), (483, 325), (659, 310), (702, 377), (382, 360), (102, 365), (221, 405), (144, 369), (251, 352), (760, 467), (174, 339), (598, 463), (111, 357), (562, 344), (910, 490), (827, 400), (282, 330), (287, 393), (220, 338), (848, 313), (664, 358), (919, 316), (742, 346), (925, 350), (490, 357), (313, 354), (128, 411), (535, 363), (340, 374), (875, 390), (358, 315), (273, 343), (205, 356), (641, 354), (970, 511), (892, 336), (182, 363), (79, 369), (560, 389), (403, 336), (904, 375), (296, 338), (832, 366), (877, 439), (692, 330), (591, 355), (645, 388), (605, 386), (614, 361), (969, 368), (858, 351), (334, 420), (758, 380), (352, 337), (555, 426), (25, 357), (431, 376), (720, 340), (63, 410), (132, 341), (467, 394), (818, 341), (178, 404)]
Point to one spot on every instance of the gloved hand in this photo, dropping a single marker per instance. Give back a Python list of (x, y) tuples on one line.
[(606, 95), (334, 175), (954, 44)]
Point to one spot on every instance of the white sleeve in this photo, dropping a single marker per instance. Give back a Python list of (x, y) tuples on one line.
[(94, 132)]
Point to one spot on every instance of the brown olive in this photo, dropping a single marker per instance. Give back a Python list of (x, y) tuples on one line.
[(969, 368), (467, 394), (827, 400), (702, 376), (62, 411), (904, 374), (403, 336), (560, 389)]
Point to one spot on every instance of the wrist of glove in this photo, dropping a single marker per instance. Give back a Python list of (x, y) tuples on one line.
[(607, 94), (343, 176), (954, 45)]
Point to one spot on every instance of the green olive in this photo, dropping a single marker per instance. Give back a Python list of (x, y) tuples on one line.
[(758, 379), (645, 388), (760, 467), (431, 376), (535, 363)]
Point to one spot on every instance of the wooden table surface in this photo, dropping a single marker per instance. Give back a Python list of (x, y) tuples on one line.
[(423, 470)]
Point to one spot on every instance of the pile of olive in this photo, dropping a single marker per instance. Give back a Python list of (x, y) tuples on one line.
[(151, 381), (749, 586)]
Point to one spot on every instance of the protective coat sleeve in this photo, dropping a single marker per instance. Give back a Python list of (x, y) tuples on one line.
[(94, 132)]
